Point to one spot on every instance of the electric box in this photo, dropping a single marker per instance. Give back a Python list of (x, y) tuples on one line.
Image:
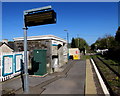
[(39, 62)]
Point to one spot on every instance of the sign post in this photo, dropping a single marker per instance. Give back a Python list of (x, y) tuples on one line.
[(34, 17), (26, 83)]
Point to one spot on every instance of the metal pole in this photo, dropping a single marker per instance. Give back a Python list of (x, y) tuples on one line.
[(67, 43), (68, 39), (51, 71), (26, 84), (78, 40)]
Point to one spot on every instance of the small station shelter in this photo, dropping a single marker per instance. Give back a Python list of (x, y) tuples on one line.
[(45, 52)]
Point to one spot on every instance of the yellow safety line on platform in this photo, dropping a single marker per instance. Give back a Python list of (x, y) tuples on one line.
[(90, 87)]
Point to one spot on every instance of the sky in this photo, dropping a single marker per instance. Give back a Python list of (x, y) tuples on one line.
[(87, 20)]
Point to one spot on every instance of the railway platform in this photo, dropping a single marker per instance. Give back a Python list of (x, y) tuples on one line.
[(77, 77)]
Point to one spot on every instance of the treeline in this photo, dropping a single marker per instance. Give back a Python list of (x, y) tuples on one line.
[(79, 43), (112, 43)]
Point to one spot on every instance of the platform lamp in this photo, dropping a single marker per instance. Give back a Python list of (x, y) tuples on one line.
[(67, 42)]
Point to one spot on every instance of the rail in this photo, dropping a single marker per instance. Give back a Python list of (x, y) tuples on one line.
[(112, 93)]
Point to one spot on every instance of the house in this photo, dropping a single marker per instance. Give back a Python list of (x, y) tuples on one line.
[(9, 60), (5, 47)]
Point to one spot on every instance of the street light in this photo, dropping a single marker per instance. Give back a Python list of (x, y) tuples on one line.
[(107, 42), (67, 38), (67, 42), (96, 46), (78, 40)]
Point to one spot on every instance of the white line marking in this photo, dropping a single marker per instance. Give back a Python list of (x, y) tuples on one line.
[(104, 88)]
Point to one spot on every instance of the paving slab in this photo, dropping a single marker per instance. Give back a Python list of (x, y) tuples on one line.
[(72, 80), (73, 83), (90, 84), (35, 82), (16, 83)]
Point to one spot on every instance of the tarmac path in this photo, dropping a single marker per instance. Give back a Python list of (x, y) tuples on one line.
[(73, 83)]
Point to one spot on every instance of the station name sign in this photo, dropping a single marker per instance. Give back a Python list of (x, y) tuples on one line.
[(40, 18)]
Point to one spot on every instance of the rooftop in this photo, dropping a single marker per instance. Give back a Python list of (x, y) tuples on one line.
[(42, 37)]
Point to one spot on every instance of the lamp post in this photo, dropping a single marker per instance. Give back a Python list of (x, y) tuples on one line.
[(67, 42), (78, 39), (107, 42), (95, 46), (67, 38)]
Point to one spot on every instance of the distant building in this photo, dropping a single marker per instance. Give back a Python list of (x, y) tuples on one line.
[(5, 47), (56, 48)]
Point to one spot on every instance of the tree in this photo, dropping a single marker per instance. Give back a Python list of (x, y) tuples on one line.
[(117, 36), (110, 43), (81, 43), (106, 42), (93, 47), (73, 43)]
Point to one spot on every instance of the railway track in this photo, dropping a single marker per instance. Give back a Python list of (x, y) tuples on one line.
[(115, 72), (108, 74)]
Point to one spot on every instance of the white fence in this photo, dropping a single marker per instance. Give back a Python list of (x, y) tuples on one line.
[(10, 65)]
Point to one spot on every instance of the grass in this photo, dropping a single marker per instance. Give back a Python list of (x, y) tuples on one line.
[(113, 64), (84, 57), (111, 78)]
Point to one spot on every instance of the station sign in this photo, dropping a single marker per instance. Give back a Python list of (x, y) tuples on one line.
[(40, 18)]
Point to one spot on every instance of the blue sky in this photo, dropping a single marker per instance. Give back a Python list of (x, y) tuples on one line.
[(88, 20)]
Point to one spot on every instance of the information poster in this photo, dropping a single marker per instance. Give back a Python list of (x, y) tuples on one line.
[(18, 62), (8, 62)]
